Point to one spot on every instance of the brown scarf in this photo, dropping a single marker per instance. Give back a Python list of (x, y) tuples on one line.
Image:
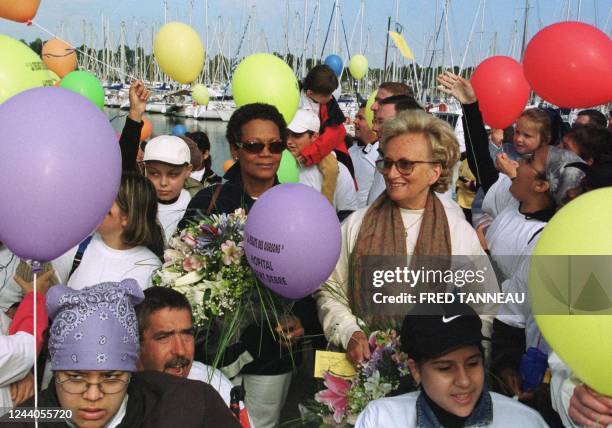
[(382, 233)]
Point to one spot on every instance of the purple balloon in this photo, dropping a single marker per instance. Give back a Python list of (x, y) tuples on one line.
[(292, 239), (60, 168)]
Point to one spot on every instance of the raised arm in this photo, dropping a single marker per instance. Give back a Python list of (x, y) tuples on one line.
[(130, 135), (476, 140)]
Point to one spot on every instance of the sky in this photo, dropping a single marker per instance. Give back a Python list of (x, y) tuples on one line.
[(269, 20)]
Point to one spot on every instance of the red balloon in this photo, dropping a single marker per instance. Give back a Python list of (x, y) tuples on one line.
[(569, 64), (501, 89)]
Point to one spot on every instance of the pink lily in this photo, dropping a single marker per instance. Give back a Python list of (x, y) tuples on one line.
[(335, 395)]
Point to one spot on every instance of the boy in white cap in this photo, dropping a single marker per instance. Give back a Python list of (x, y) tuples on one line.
[(301, 133), (167, 164)]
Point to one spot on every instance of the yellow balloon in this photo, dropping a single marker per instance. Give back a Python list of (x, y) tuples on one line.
[(369, 114), (358, 66), (571, 297), (179, 52), (265, 78), (199, 93), (20, 68)]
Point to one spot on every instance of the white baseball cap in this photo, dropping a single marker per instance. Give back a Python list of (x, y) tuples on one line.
[(168, 149), (304, 120)]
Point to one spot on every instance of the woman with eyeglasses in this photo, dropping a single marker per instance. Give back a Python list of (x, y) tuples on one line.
[(521, 200), (408, 219), (93, 343), (257, 135)]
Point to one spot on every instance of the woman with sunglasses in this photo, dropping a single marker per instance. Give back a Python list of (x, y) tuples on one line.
[(418, 154), (521, 201), (257, 135)]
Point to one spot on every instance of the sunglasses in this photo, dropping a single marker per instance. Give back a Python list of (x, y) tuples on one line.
[(403, 166), (256, 147)]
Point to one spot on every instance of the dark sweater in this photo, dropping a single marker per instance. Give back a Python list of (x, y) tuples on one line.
[(158, 400), (477, 147)]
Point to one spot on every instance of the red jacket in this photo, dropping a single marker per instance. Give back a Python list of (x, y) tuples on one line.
[(24, 318), (332, 138)]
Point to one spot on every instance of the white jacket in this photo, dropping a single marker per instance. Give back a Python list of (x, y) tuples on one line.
[(16, 359), (400, 412)]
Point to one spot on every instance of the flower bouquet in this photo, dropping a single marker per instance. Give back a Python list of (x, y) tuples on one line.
[(343, 400), (206, 263)]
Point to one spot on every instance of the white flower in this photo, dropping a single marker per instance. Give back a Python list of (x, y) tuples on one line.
[(375, 388), (168, 277), (231, 253), (176, 243), (190, 278), (172, 256)]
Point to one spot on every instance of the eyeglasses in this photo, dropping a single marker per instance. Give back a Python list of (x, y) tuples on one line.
[(80, 386), (403, 166), (256, 147)]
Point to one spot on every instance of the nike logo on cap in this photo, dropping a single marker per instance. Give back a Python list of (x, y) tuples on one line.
[(449, 319)]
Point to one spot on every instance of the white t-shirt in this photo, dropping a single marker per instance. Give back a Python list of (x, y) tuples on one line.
[(101, 263), (511, 238), (400, 412), (345, 195), (197, 175), (169, 215), (10, 291), (364, 162), (213, 377)]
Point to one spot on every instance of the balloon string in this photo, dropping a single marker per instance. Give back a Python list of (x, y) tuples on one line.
[(36, 268), (36, 24)]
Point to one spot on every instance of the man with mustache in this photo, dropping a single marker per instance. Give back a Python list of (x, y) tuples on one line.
[(167, 344)]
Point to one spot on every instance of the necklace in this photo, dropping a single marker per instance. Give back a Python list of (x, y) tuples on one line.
[(406, 228)]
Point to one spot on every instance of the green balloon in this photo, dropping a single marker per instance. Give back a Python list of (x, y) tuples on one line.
[(86, 84), (265, 78), (369, 114), (288, 171), (20, 68)]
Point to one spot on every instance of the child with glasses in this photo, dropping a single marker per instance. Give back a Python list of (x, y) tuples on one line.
[(93, 345)]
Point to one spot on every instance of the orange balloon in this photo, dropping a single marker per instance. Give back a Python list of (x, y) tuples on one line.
[(228, 164), (147, 129), (19, 10), (59, 57)]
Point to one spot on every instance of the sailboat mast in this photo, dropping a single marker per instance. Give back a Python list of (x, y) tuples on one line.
[(395, 50), (303, 64), (525, 26)]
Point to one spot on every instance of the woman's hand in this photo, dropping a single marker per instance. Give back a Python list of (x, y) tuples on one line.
[(589, 408), (289, 329), (506, 165), (358, 348), (139, 94), (22, 389), (458, 87), (42, 283)]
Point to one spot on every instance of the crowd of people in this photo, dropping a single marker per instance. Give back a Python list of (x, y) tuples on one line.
[(119, 352)]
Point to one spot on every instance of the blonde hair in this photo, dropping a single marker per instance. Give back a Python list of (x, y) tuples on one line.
[(541, 120), (440, 136)]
